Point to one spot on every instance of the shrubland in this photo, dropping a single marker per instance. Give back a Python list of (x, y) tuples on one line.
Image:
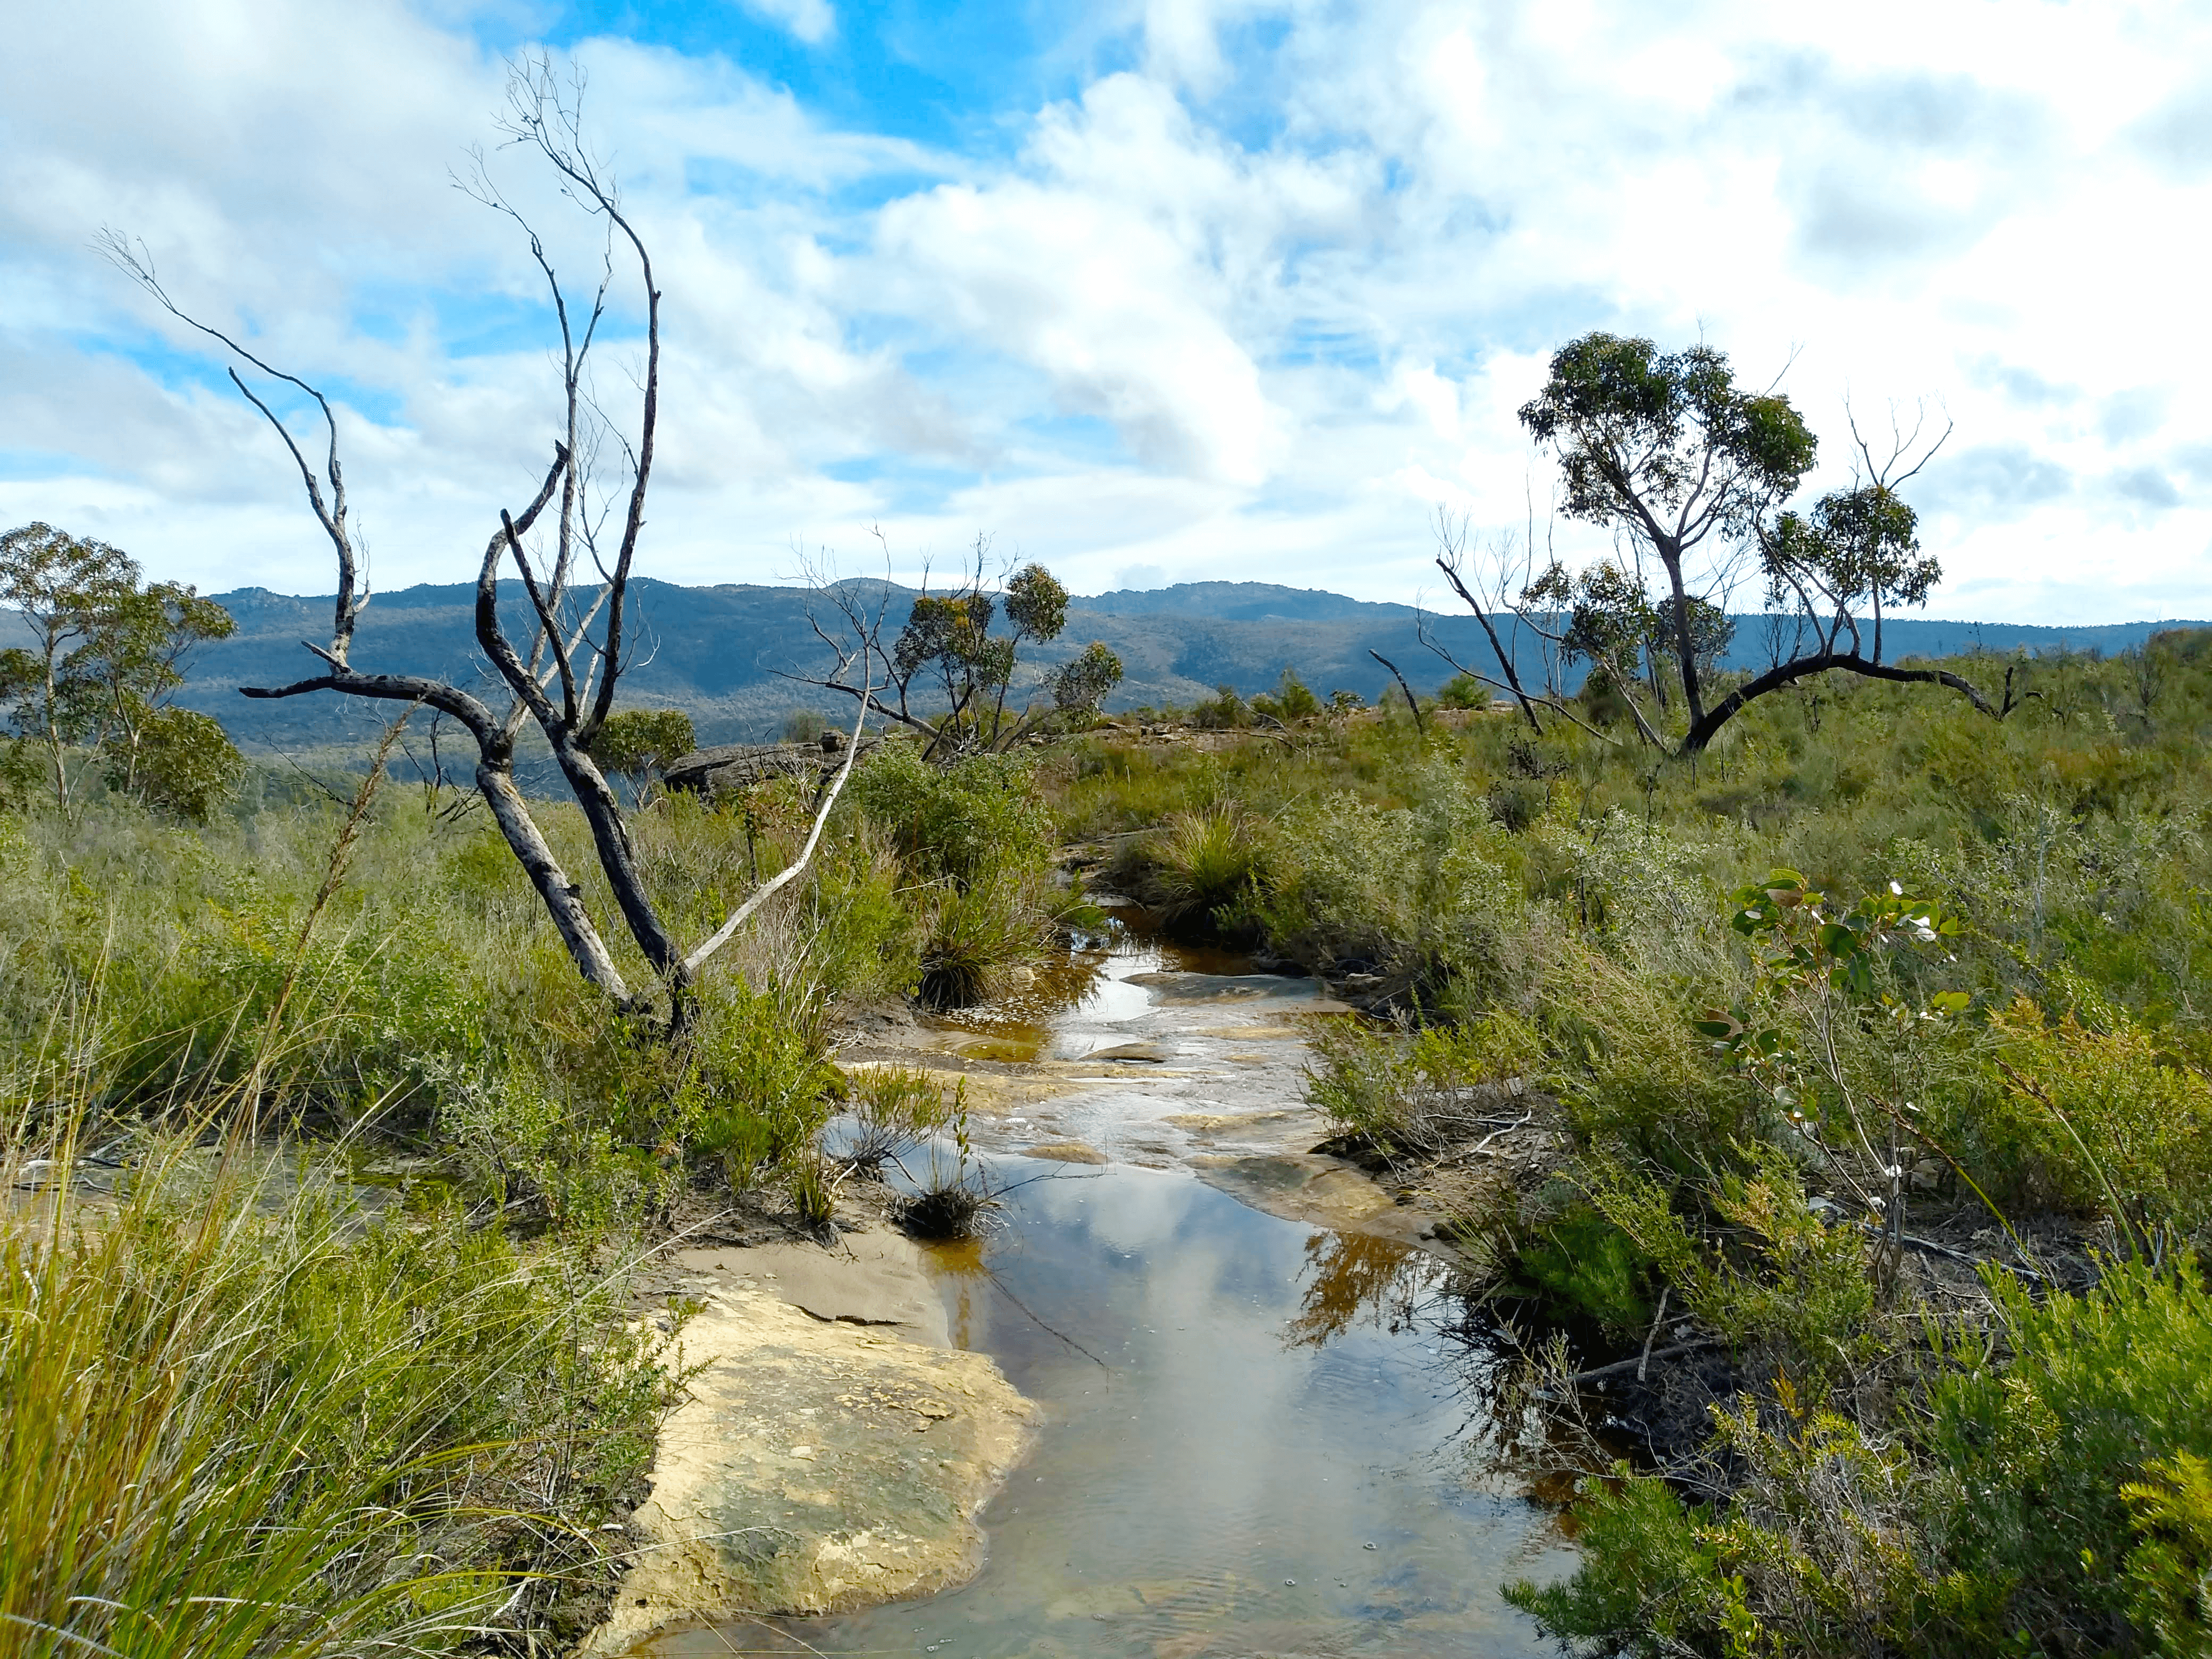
[(331, 1170), (1870, 1049)]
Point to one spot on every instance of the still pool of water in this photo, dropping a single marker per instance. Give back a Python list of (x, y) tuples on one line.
[(1257, 1442)]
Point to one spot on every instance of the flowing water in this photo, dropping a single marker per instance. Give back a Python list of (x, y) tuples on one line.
[(1260, 1438)]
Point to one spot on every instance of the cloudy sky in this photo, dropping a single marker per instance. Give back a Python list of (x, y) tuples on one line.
[(1153, 291)]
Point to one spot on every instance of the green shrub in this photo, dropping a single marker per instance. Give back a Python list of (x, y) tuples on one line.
[(185, 763), (1586, 1267), (2103, 1389), (1418, 1091), (1412, 894), (2169, 1573), (1204, 866), (2116, 1121), (760, 1085), (977, 816), (2055, 1504), (1463, 690), (1224, 711)]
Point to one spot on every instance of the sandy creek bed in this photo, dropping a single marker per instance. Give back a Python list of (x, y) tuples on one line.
[(1191, 1398)]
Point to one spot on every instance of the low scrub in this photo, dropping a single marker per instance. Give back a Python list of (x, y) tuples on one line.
[(246, 1416), (2054, 1502)]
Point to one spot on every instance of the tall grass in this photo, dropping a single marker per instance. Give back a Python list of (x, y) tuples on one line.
[(244, 1415)]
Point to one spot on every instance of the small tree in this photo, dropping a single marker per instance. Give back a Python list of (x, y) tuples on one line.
[(1690, 471), (105, 656), (640, 744), (949, 653), (62, 587), (143, 645), (181, 762), (1463, 690)]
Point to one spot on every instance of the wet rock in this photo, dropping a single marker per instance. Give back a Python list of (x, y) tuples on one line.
[(1142, 1054), (817, 1465), (875, 1278), (1223, 987), (1066, 1151), (1304, 1186)]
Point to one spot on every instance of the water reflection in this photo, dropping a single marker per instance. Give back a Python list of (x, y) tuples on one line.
[(1092, 979), (1350, 1278), (1238, 1408)]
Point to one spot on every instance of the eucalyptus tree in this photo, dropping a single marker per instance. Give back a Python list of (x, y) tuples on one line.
[(573, 545), (948, 674), (104, 656), (1691, 471)]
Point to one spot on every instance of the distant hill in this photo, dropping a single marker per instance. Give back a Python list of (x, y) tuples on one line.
[(716, 652)]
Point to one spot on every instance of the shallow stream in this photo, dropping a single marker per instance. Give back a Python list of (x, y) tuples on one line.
[(1259, 1438)]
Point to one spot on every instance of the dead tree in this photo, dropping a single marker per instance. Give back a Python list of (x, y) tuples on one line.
[(560, 669)]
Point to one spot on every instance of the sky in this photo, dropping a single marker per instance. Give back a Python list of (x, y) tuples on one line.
[(1150, 291)]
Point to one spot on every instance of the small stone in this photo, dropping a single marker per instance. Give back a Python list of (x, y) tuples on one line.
[(1367, 1546), (1290, 1584)]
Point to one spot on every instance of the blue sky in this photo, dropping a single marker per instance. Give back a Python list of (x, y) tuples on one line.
[(1243, 289)]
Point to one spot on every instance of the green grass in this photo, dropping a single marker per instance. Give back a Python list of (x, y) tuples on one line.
[(249, 1411), (246, 1415)]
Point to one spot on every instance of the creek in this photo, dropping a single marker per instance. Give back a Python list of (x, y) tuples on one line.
[(1262, 1434)]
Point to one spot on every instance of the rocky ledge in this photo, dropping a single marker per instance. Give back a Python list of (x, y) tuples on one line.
[(832, 1453)]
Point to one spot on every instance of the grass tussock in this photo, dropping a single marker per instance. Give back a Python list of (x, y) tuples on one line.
[(247, 1415)]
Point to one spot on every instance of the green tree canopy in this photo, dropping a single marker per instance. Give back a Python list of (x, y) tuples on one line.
[(106, 656), (1691, 472), (640, 744), (1666, 447), (962, 651)]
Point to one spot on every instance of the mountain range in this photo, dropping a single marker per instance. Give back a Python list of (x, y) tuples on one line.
[(722, 652)]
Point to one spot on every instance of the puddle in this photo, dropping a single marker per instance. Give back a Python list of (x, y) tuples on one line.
[(1237, 1407)]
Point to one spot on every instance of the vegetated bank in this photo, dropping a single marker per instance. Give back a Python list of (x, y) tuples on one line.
[(331, 1179), (1832, 1117)]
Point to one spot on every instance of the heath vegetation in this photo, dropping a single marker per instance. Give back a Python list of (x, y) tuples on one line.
[(1866, 1066), (1815, 1057)]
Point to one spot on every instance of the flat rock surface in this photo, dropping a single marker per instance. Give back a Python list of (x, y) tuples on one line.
[(823, 1461), (1066, 1151), (871, 1279)]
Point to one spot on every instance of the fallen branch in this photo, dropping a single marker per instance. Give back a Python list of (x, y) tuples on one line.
[(1623, 1367)]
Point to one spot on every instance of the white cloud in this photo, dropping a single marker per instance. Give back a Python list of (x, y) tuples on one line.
[(810, 21), (1244, 310)]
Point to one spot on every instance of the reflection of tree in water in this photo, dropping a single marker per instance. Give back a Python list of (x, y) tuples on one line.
[(1350, 1278)]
